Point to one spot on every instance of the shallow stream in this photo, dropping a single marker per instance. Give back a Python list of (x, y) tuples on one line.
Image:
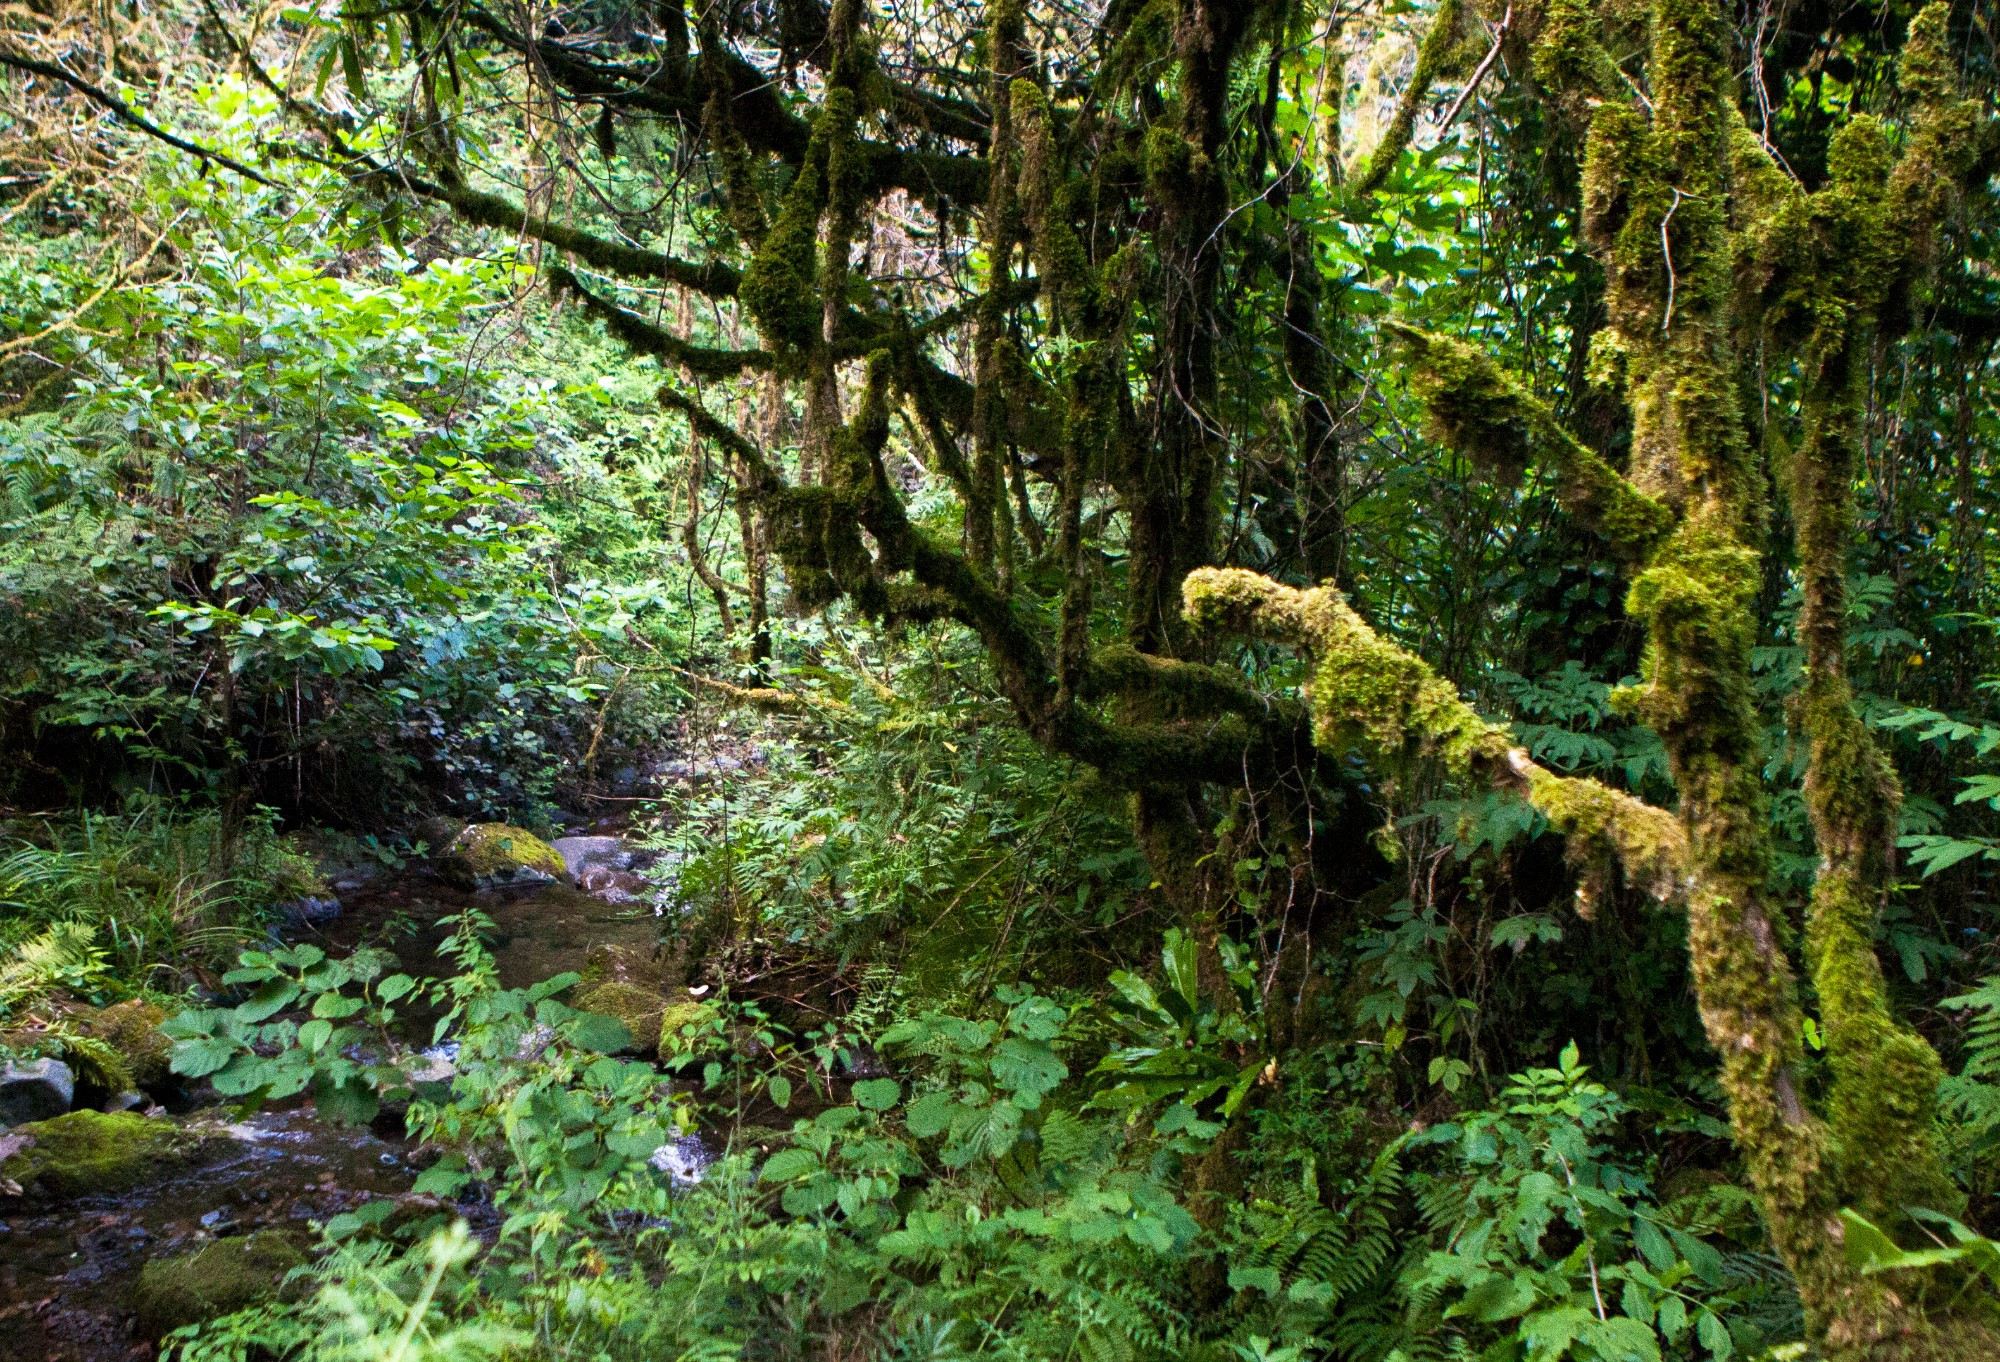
[(68, 1271)]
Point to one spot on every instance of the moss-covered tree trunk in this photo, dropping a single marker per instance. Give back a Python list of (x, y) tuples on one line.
[(1663, 206)]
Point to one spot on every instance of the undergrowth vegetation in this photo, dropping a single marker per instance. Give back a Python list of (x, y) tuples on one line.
[(1293, 682)]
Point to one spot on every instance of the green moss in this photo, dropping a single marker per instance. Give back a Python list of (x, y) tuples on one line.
[(1058, 253), (1569, 55), (1365, 690), (486, 854), (217, 1279), (85, 1153), (1484, 412), (676, 1017), (1433, 56), (131, 1029), (780, 286), (639, 1008), (1925, 68), (624, 965)]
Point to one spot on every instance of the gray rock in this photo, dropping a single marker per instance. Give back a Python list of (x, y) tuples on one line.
[(350, 879), (307, 912), (128, 1100), (438, 1064), (582, 853), (35, 1091)]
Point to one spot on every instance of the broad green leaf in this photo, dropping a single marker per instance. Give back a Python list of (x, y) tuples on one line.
[(788, 1164), (877, 1094)]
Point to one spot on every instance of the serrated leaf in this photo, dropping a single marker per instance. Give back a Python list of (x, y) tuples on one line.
[(1028, 1067), (877, 1094), (599, 1034), (930, 1115), (787, 1164), (1714, 1336), (272, 997), (201, 1057)]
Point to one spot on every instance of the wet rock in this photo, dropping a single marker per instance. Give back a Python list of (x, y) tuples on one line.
[(624, 965), (438, 1064), (535, 1044), (307, 912), (612, 886), (129, 1100), (639, 1008), (87, 1152), (132, 1030), (500, 856), (437, 833), (350, 879), (217, 1279), (35, 1090), (582, 853)]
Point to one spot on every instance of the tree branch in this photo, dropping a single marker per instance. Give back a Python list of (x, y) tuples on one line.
[(124, 113)]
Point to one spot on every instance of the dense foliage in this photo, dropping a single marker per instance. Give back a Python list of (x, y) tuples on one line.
[(1337, 664)]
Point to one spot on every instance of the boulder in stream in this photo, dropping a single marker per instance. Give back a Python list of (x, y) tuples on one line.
[(500, 856), (639, 1008), (89, 1152), (34, 1090), (217, 1279)]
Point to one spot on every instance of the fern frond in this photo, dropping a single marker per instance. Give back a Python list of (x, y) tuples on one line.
[(65, 953)]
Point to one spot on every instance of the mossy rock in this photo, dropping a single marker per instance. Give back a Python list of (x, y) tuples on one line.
[(639, 1008), (132, 1030), (85, 1153), (217, 1279), (686, 1012), (497, 855), (437, 833), (608, 964)]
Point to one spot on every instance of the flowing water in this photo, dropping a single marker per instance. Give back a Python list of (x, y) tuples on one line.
[(67, 1271)]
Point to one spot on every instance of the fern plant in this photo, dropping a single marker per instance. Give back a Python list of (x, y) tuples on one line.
[(1971, 1097)]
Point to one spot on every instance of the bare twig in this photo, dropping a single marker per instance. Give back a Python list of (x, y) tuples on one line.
[(1478, 73), (118, 109)]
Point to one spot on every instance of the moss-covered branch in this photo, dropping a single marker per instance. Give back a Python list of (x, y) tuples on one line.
[(1484, 413), (1366, 691), (1835, 266), (1433, 54), (712, 277), (648, 339)]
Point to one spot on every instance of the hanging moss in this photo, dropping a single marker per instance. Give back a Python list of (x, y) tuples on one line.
[(1058, 253), (781, 286)]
